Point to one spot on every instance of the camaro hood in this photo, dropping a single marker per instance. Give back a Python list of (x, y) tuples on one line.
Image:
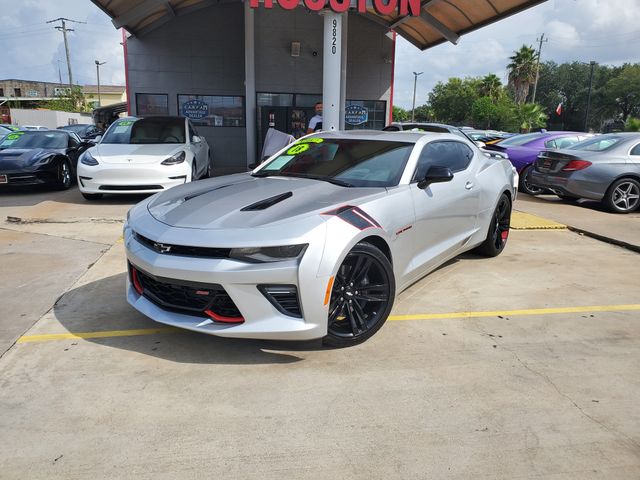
[(243, 201), (134, 153), (16, 158)]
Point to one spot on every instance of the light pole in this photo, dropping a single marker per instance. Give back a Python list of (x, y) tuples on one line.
[(586, 116), (413, 108), (98, 75)]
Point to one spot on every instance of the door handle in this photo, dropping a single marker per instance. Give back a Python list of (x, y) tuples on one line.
[(468, 185)]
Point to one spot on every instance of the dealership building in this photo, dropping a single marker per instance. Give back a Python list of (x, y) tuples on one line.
[(237, 68)]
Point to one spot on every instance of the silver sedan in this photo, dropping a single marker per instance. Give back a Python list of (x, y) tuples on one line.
[(318, 240), (605, 168)]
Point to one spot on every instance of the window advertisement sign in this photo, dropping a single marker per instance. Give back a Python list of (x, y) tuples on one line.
[(213, 110), (149, 104), (356, 115)]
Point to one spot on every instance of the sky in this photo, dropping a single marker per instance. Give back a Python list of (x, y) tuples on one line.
[(606, 31)]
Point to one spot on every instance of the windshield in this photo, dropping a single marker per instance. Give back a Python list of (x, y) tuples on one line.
[(352, 163), (597, 144), (146, 131), (520, 139), (35, 139)]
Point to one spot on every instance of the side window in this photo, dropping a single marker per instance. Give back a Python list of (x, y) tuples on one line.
[(550, 144), (72, 141), (455, 155), (565, 142), (636, 150)]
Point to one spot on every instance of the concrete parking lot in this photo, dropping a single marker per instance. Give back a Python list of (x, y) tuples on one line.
[(522, 366)]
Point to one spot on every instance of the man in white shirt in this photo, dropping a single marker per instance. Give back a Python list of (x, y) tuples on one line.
[(315, 124)]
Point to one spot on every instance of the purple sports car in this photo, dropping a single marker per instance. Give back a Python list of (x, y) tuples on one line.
[(524, 149)]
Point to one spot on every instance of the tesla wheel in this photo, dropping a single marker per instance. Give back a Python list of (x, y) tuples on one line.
[(92, 196), (361, 298), (498, 229), (623, 196), (525, 186), (63, 181)]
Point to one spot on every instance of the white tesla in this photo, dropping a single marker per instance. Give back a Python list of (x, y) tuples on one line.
[(144, 155)]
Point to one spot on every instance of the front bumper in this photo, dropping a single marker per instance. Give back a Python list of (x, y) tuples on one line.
[(122, 178), (240, 280), (46, 174)]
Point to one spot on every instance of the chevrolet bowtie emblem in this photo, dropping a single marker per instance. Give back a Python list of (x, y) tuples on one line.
[(161, 247)]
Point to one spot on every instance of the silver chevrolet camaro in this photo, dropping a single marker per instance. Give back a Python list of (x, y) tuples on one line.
[(317, 241)]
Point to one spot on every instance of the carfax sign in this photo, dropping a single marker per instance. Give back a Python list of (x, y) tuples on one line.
[(195, 109), (356, 115)]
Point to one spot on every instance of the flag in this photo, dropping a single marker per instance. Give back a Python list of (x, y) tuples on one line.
[(559, 109)]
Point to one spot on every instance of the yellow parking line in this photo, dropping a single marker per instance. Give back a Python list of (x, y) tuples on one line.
[(103, 334), (426, 316), (527, 221), (513, 313)]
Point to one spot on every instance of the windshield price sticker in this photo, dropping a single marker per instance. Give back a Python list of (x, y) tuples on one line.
[(125, 123), (296, 149), (311, 140), (278, 163)]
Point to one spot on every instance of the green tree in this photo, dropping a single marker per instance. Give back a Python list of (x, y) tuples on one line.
[(452, 102), (74, 101), (530, 116), (422, 114), (490, 86), (484, 112), (400, 114), (522, 72), (623, 91), (632, 125)]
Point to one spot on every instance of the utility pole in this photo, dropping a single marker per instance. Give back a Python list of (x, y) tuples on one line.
[(59, 72), (98, 74), (413, 108), (586, 116), (64, 31), (535, 85)]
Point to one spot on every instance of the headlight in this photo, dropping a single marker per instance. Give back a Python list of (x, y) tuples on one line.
[(43, 158), (174, 160), (87, 159), (268, 254)]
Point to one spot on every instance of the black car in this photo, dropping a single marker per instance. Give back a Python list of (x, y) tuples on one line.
[(40, 157), (84, 131)]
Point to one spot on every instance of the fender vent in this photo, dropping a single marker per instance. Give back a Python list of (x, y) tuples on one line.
[(267, 202)]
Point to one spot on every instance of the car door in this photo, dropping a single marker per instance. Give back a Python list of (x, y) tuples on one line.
[(446, 213)]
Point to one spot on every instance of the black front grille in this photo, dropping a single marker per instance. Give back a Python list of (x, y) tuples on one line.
[(185, 297), (184, 250), (125, 188)]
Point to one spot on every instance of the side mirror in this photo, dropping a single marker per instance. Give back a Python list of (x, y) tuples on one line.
[(480, 144), (196, 139), (97, 139), (435, 174)]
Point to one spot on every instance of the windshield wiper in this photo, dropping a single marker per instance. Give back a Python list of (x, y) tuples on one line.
[(335, 181), (263, 173)]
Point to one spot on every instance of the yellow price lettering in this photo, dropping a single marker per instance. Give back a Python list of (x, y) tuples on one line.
[(296, 149)]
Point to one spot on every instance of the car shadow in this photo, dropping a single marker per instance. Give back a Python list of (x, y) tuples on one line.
[(100, 306), (29, 196), (553, 199)]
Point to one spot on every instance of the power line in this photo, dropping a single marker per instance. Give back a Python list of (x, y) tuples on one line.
[(63, 28)]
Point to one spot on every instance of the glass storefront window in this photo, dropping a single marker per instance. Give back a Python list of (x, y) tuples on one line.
[(213, 110), (376, 114), (149, 104)]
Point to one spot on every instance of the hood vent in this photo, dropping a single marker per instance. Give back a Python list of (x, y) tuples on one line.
[(267, 202), (191, 197)]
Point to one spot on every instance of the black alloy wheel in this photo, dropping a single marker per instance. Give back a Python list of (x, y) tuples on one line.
[(623, 196), (361, 298), (64, 180), (525, 186), (498, 229)]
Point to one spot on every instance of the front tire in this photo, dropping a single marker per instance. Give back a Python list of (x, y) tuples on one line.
[(498, 229), (361, 298), (525, 186), (64, 180), (623, 196)]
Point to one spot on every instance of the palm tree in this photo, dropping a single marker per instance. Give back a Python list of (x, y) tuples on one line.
[(522, 72), (490, 86), (531, 115)]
